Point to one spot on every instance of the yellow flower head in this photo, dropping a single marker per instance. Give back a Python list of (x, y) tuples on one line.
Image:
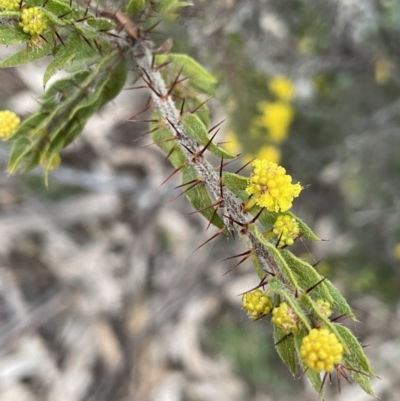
[(9, 122), (33, 21), (285, 318), (282, 88), (276, 117), (271, 187), (320, 350), (286, 228), (257, 304), (9, 5)]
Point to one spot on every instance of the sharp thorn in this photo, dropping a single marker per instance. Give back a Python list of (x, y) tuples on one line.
[(315, 285), (254, 219), (200, 105), (250, 161), (210, 239), (172, 174), (216, 125)]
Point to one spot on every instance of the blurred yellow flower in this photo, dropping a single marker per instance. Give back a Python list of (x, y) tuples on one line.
[(231, 144), (282, 87), (396, 251), (383, 70), (276, 117), (271, 153)]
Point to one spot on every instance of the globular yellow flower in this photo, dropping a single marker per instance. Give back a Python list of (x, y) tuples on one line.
[(321, 350), (287, 229), (33, 21), (271, 187), (271, 153), (285, 318), (282, 88), (257, 304), (276, 117), (383, 70), (10, 5), (9, 123)]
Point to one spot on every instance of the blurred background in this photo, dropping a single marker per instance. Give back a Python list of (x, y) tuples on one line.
[(101, 295)]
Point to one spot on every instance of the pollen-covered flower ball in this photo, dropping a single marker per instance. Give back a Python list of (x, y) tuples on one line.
[(285, 318), (10, 5), (9, 122), (33, 21), (320, 350), (271, 187), (286, 228), (257, 304)]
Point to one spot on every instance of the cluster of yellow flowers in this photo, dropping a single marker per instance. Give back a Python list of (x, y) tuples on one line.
[(9, 123), (257, 304), (33, 21), (275, 117), (324, 307), (285, 318), (287, 229), (321, 350), (10, 5), (271, 187)]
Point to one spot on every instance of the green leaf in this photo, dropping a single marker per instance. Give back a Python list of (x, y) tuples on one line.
[(101, 24), (198, 77), (314, 377), (357, 360), (257, 266), (285, 348), (356, 357), (176, 155), (307, 276), (26, 56), (73, 45), (134, 7), (199, 198), (305, 231), (10, 14), (168, 5), (274, 253), (115, 81), (197, 130), (55, 7), (339, 303), (236, 183), (12, 35), (277, 286)]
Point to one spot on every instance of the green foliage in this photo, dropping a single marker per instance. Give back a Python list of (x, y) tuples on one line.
[(197, 130), (134, 7), (26, 56), (198, 78), (285, 348)]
